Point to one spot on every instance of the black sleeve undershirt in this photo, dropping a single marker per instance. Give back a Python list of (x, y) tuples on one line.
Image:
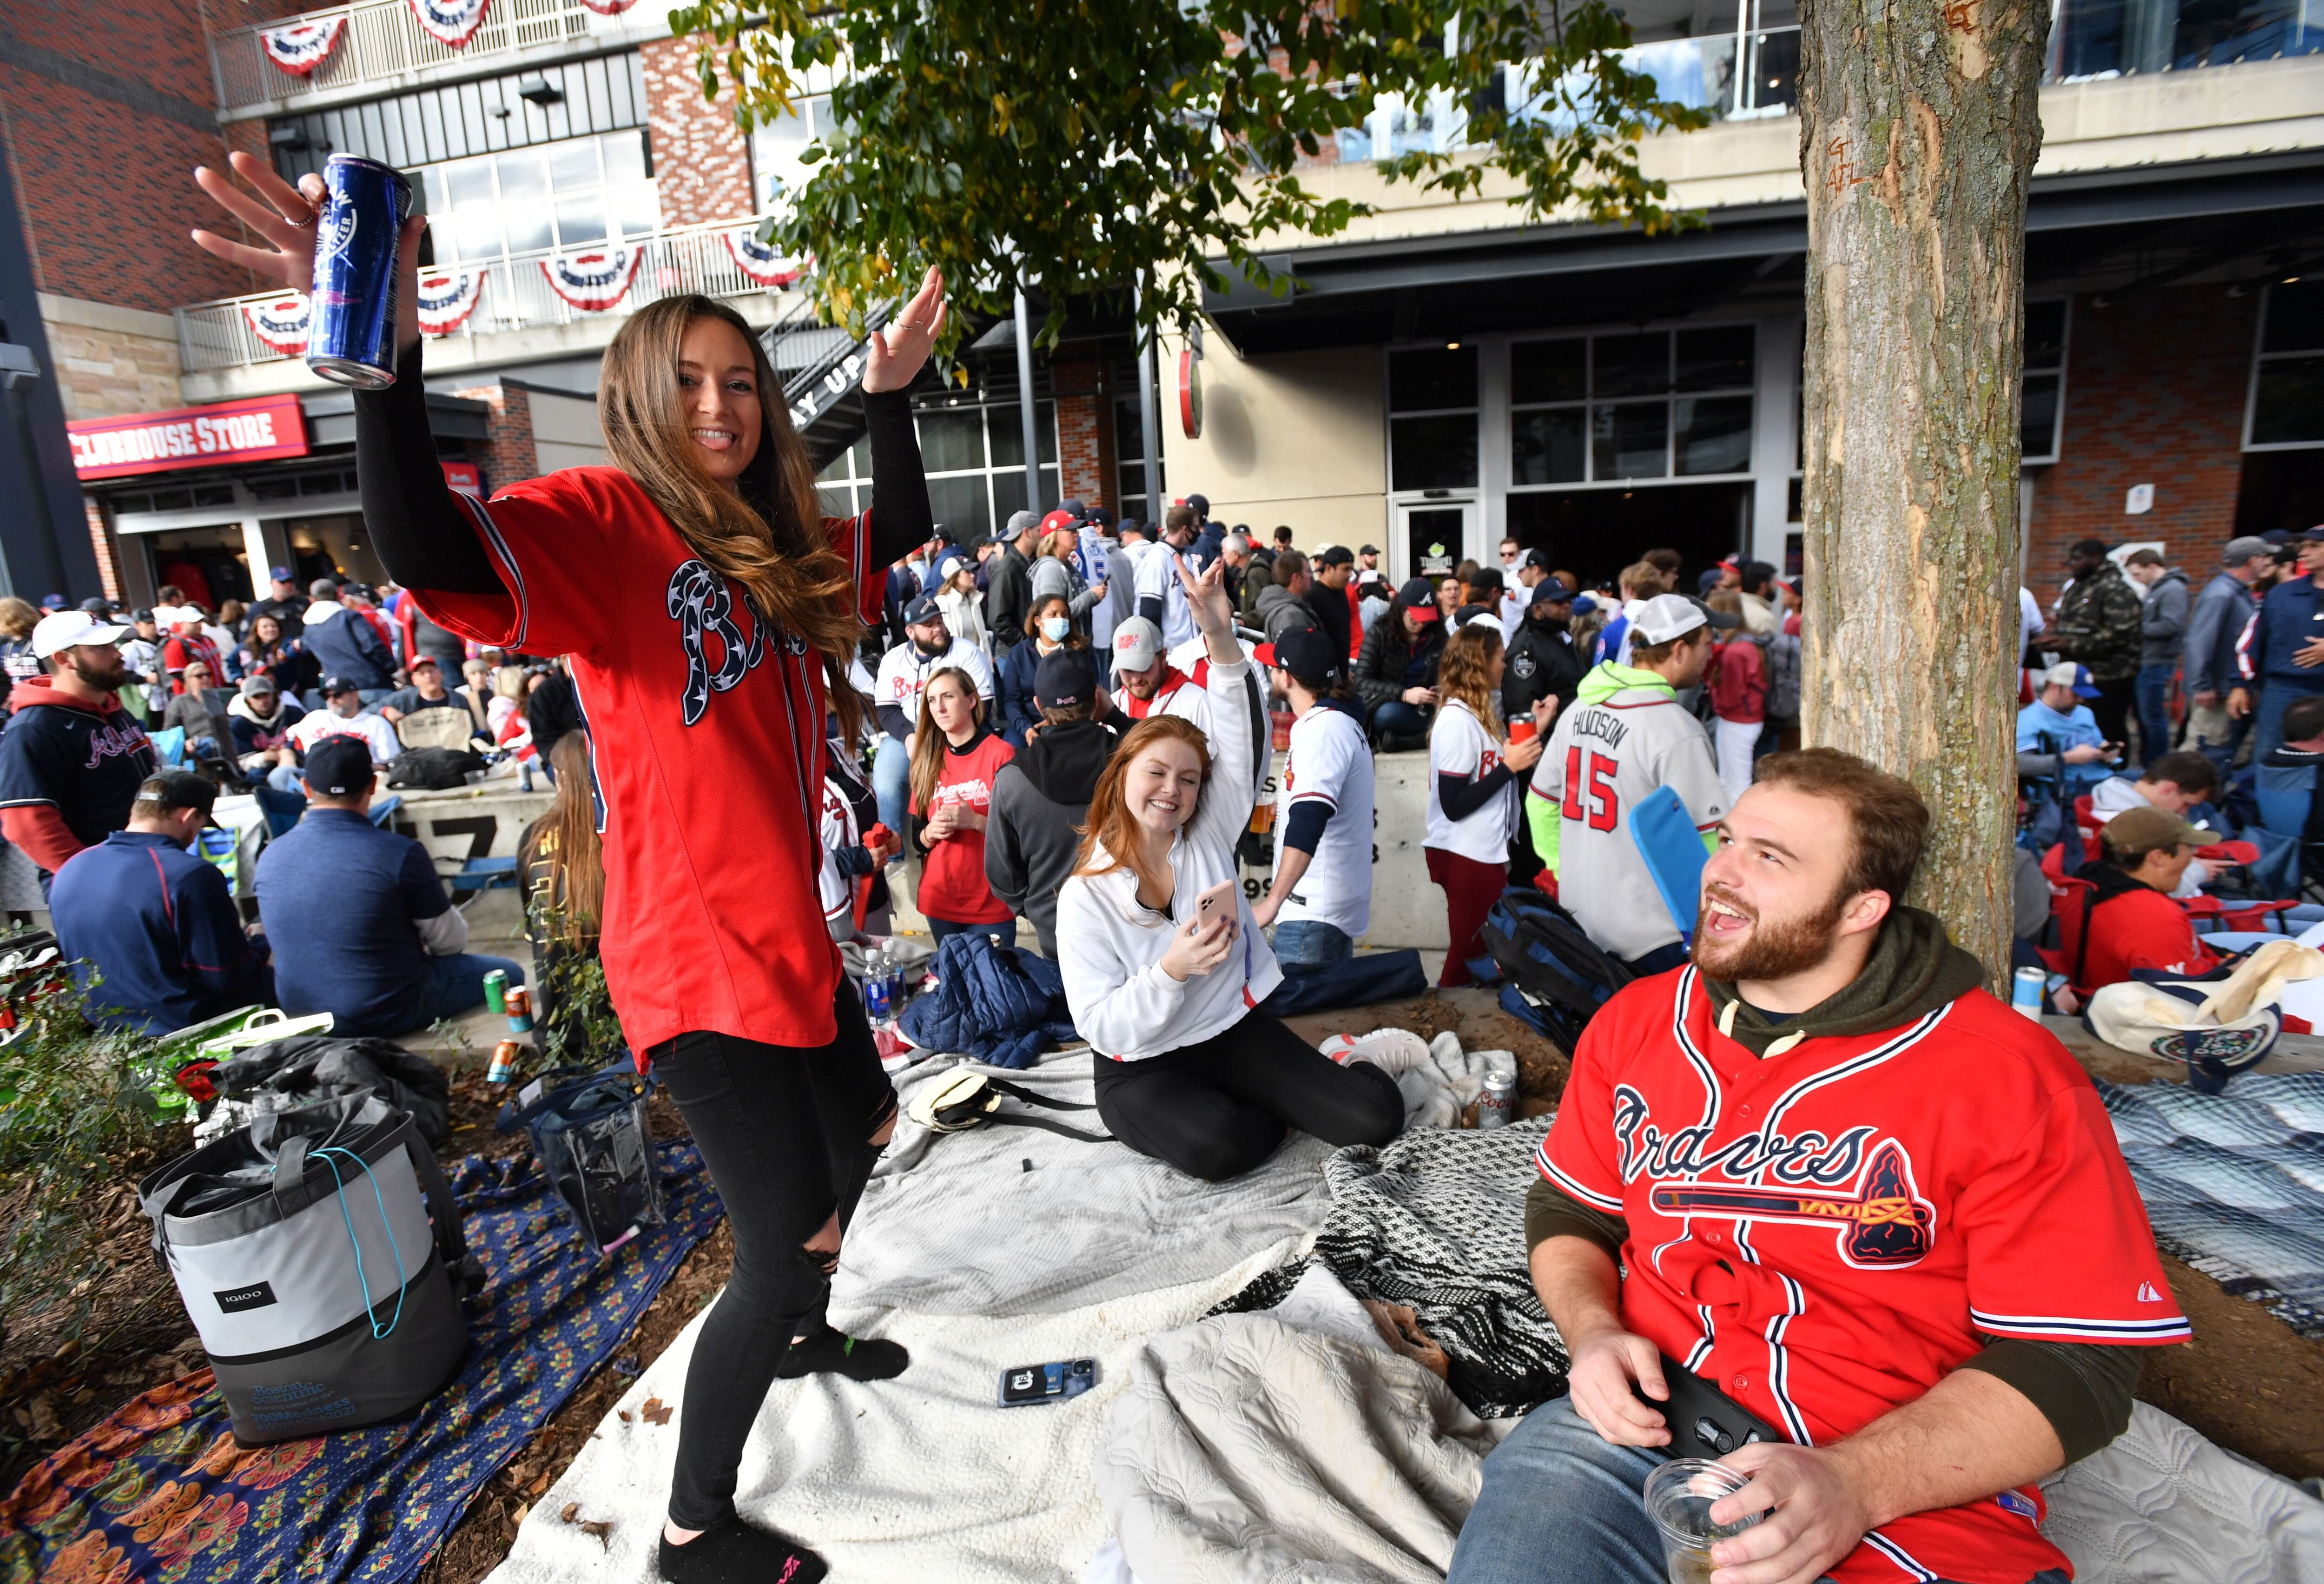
[(892, 721), (1461, 797), (426, 541), (1303, 828)]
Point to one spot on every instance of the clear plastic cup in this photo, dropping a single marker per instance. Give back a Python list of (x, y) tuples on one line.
[(1678, 1496)]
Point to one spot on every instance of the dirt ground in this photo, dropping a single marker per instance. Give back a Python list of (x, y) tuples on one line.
[(2247, 1381)]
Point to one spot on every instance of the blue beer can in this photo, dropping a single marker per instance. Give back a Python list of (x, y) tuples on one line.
[(350, 337)]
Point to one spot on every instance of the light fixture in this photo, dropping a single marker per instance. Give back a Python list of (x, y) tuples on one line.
[(540, 91), (1451, 345), (288, 138)]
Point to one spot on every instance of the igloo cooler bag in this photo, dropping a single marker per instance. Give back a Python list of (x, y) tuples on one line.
[(322, 1291)]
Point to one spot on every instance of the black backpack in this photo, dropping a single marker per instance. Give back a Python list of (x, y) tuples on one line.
[(1555, 971), (433, 769)]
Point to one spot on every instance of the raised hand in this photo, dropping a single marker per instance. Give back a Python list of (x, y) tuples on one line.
[(898, 351), (286, 217), (1206, 596)]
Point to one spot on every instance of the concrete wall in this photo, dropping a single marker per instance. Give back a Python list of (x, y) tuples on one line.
[(565, 432), (1298, 439), (111, 360)]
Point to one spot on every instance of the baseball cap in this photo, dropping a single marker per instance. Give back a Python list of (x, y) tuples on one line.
[(167, 791), (1527, 558), (429, 660), (97, 604), (2066, 673), (2142, 830), (1098, 517), (1202, 505), (338, 766), (1308, 654), (279, 574), (923, 610), (1486, 577), (1371, 576), (1549, 591), (2315, 532), (1583, 604), (1368, 549), (63, 629), (1667, 616), (1070, 505), (144, 613), (2088, 547), (338, 685), (1339, 555), (259, 685), (1020, 521), (52, 602), (1060, 518), (1419, 597), (1136, 643), (2243, 549), (1062, 679)]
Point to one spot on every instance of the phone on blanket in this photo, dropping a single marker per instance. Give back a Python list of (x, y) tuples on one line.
[(1704, 1421), (1043, 1383), (1218, 903)]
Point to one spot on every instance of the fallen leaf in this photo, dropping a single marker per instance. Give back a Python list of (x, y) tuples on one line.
[(522, 1513), (572, 1511), (600, 1528), (656, 1410), (624, 1413)]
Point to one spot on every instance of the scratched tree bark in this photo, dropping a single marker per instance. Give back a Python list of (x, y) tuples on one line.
[(1918, 131)]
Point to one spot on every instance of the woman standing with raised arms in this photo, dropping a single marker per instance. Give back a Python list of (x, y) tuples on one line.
[(710, 611)]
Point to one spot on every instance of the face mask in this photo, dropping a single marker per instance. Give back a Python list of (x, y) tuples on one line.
[(1054, 628)]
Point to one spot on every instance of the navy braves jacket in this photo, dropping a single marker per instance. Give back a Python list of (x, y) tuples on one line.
[(1014, 686), (2294, 613), (68, 771), (346, 646), (159, 927)]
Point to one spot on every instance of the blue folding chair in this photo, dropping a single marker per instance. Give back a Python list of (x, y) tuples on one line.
[(1665, 837), (169, 747)]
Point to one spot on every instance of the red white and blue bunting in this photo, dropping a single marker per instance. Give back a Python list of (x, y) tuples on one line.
[(609, 7), (450, 21), (592, 280), (760, 262), (447, 299), (281, 322), (299, 47)]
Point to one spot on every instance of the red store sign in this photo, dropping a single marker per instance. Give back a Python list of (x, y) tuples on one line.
[(257, 430)]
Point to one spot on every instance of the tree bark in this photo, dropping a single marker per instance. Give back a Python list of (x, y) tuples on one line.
[(1919, 125)]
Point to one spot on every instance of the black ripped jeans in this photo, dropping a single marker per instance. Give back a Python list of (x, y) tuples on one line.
[(786, 1131)]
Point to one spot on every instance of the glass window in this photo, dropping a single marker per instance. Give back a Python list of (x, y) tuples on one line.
[(625, 157), (962, 504), (580, 220), (1547, 447), (636, 209), (1008, 491), (837, 502), (573, 166), (524, 175), (2295, 318), (1630, 366), (470, 181), (949, 441), (1549, 371), (2037, 437), (1629, 441), (779, 148), (2041, 392), (526, 227), (1434, 453), (1713, 434), (2045, 334), (2288, 407), (1432, 377), (1718, 360)]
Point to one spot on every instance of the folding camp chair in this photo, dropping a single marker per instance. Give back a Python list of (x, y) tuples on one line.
[(1665, 835)]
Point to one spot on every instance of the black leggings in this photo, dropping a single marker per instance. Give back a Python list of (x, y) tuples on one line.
[(1217, 1109), (786, 1131)]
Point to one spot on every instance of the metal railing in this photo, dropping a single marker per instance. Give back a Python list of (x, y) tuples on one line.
[(384, 45), (517, 294)]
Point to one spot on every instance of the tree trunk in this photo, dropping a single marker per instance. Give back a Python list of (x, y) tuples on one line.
[(1918, 130)]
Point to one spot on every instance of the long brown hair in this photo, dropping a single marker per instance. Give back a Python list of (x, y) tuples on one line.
[(1072, 639), (928, 752), (766, 533), (1464, 671), (569, 841), (1111, 839)]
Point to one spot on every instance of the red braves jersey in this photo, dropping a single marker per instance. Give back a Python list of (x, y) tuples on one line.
[(1824, 1234), (706, 742)]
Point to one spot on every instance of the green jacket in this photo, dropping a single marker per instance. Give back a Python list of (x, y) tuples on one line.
[(2101, 623)]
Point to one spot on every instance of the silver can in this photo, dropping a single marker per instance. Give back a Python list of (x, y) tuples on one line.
[(1497, 1102)]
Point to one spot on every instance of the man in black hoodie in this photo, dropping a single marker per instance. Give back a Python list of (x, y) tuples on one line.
[(1044, 792)]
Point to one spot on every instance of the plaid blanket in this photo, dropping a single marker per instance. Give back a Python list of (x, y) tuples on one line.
[(159, 1492)]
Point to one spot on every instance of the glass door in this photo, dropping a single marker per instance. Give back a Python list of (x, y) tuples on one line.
[(1435, 536)]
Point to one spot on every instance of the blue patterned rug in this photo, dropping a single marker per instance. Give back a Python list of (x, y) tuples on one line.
[(159, 1494)]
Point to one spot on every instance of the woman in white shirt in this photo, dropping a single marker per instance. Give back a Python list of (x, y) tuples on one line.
[(1191, 1073), (1475, 777), (963, 606)]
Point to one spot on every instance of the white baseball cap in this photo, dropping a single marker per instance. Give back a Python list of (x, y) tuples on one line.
[(1666, 616), (65, 629), (1136, 643)]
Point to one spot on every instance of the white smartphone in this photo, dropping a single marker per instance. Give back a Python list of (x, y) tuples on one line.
[(1219, 902)]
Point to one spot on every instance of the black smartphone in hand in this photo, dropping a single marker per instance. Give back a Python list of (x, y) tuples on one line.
[(1703, 1421)]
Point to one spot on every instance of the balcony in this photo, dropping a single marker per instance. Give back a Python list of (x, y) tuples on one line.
[(516, 295), (382, 48)]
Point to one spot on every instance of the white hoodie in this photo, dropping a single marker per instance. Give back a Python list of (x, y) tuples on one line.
[(1110, 949)]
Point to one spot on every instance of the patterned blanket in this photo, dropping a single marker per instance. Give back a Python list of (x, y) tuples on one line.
[(2234, 1183), (158, 1493), (1436, 1221)]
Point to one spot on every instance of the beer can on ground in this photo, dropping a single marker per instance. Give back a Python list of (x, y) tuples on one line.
[(496, 990), (504, 1067), (1497, 1102), (519, 1003), (351, 332)]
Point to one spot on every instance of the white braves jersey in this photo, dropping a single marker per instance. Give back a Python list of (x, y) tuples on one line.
[(1158, 578), (1097, 562), (1330, 762), (904, 672), (1609, 751), (1459, 745)]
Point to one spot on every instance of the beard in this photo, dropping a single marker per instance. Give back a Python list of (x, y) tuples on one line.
[(108, 679), (1769, 950)]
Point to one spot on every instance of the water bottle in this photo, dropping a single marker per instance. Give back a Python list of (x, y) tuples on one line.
[(876, 1001), (893, 962)]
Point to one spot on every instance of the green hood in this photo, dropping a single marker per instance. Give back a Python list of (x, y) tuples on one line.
[(1913, 969), (1607, 678)]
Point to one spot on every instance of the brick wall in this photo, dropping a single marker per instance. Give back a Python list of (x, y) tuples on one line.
[(702, 163), (106, 109), (508, 453), (1086, 450), (2156, 385)]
